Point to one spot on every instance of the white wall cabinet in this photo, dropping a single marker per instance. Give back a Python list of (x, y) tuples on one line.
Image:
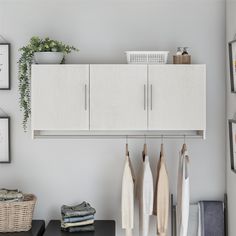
[(118, 97), (60, 97), (90, 99), (177, 97)]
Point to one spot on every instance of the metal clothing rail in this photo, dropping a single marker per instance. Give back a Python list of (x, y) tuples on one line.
[(42, 136)]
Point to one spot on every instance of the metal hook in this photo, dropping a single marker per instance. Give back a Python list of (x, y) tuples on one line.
[(162, 139), (145, 138), (126, 139), (184, 138)]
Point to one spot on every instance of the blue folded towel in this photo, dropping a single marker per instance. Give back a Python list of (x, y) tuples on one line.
[(77, 219)]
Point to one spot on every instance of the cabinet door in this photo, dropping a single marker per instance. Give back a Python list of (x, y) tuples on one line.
[(118, 97), (177, 96), (60, 95)]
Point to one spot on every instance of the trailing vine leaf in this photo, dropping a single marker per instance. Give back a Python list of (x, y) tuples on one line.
[(24, 69)]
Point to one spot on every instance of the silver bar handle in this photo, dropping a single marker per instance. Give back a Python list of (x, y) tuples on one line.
[(85, 97), (151, 96), (144, 87)]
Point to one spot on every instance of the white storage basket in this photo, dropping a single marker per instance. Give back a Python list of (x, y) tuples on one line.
[(147, 57)]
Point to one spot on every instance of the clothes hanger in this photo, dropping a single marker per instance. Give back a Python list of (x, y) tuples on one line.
[(127, 155), (145, 147), (162, 146), (126, 147), (184, 148)]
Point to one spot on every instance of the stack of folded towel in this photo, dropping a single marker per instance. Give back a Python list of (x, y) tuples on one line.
[(79, 218), (11, 195)]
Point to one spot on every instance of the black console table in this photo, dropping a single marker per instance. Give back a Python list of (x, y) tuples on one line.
[(38, 228), (102, 228)]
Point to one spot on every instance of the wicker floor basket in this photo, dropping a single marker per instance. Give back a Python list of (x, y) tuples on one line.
[(17, 216)]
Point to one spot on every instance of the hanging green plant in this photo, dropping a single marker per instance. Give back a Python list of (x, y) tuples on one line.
[(27, 57)]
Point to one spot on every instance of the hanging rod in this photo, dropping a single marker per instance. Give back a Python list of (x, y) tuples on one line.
[(75, 134), (42, 136)]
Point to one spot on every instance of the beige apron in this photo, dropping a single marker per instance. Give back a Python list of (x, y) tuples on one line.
[(161, 198)]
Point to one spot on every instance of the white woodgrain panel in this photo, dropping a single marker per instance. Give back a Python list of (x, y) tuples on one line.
[(178, 97), (117, 97), (58, 97)]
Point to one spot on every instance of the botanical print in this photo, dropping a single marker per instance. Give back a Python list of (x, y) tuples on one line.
[(4, 151), (4, 67)]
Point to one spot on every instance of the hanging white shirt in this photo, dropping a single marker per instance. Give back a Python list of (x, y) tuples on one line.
[(183, 195), (145, 195), (127, 198)]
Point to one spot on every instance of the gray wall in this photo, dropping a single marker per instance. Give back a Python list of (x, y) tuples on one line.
[(231, 113), (69, 171)]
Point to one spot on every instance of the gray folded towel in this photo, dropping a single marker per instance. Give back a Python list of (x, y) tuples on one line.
[(82, 209), (212, 218)]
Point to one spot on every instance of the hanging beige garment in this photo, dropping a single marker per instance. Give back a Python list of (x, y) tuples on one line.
[(127, 198), (161, 198)]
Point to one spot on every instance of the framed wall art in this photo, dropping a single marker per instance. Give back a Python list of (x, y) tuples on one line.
[(5, 66), (232, 141), (5, 140)]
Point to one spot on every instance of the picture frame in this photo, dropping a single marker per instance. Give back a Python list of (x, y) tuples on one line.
[(5, 155), (232, 143), (5, 82)]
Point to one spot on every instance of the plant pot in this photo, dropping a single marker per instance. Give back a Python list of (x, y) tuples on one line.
[(48, 57)]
